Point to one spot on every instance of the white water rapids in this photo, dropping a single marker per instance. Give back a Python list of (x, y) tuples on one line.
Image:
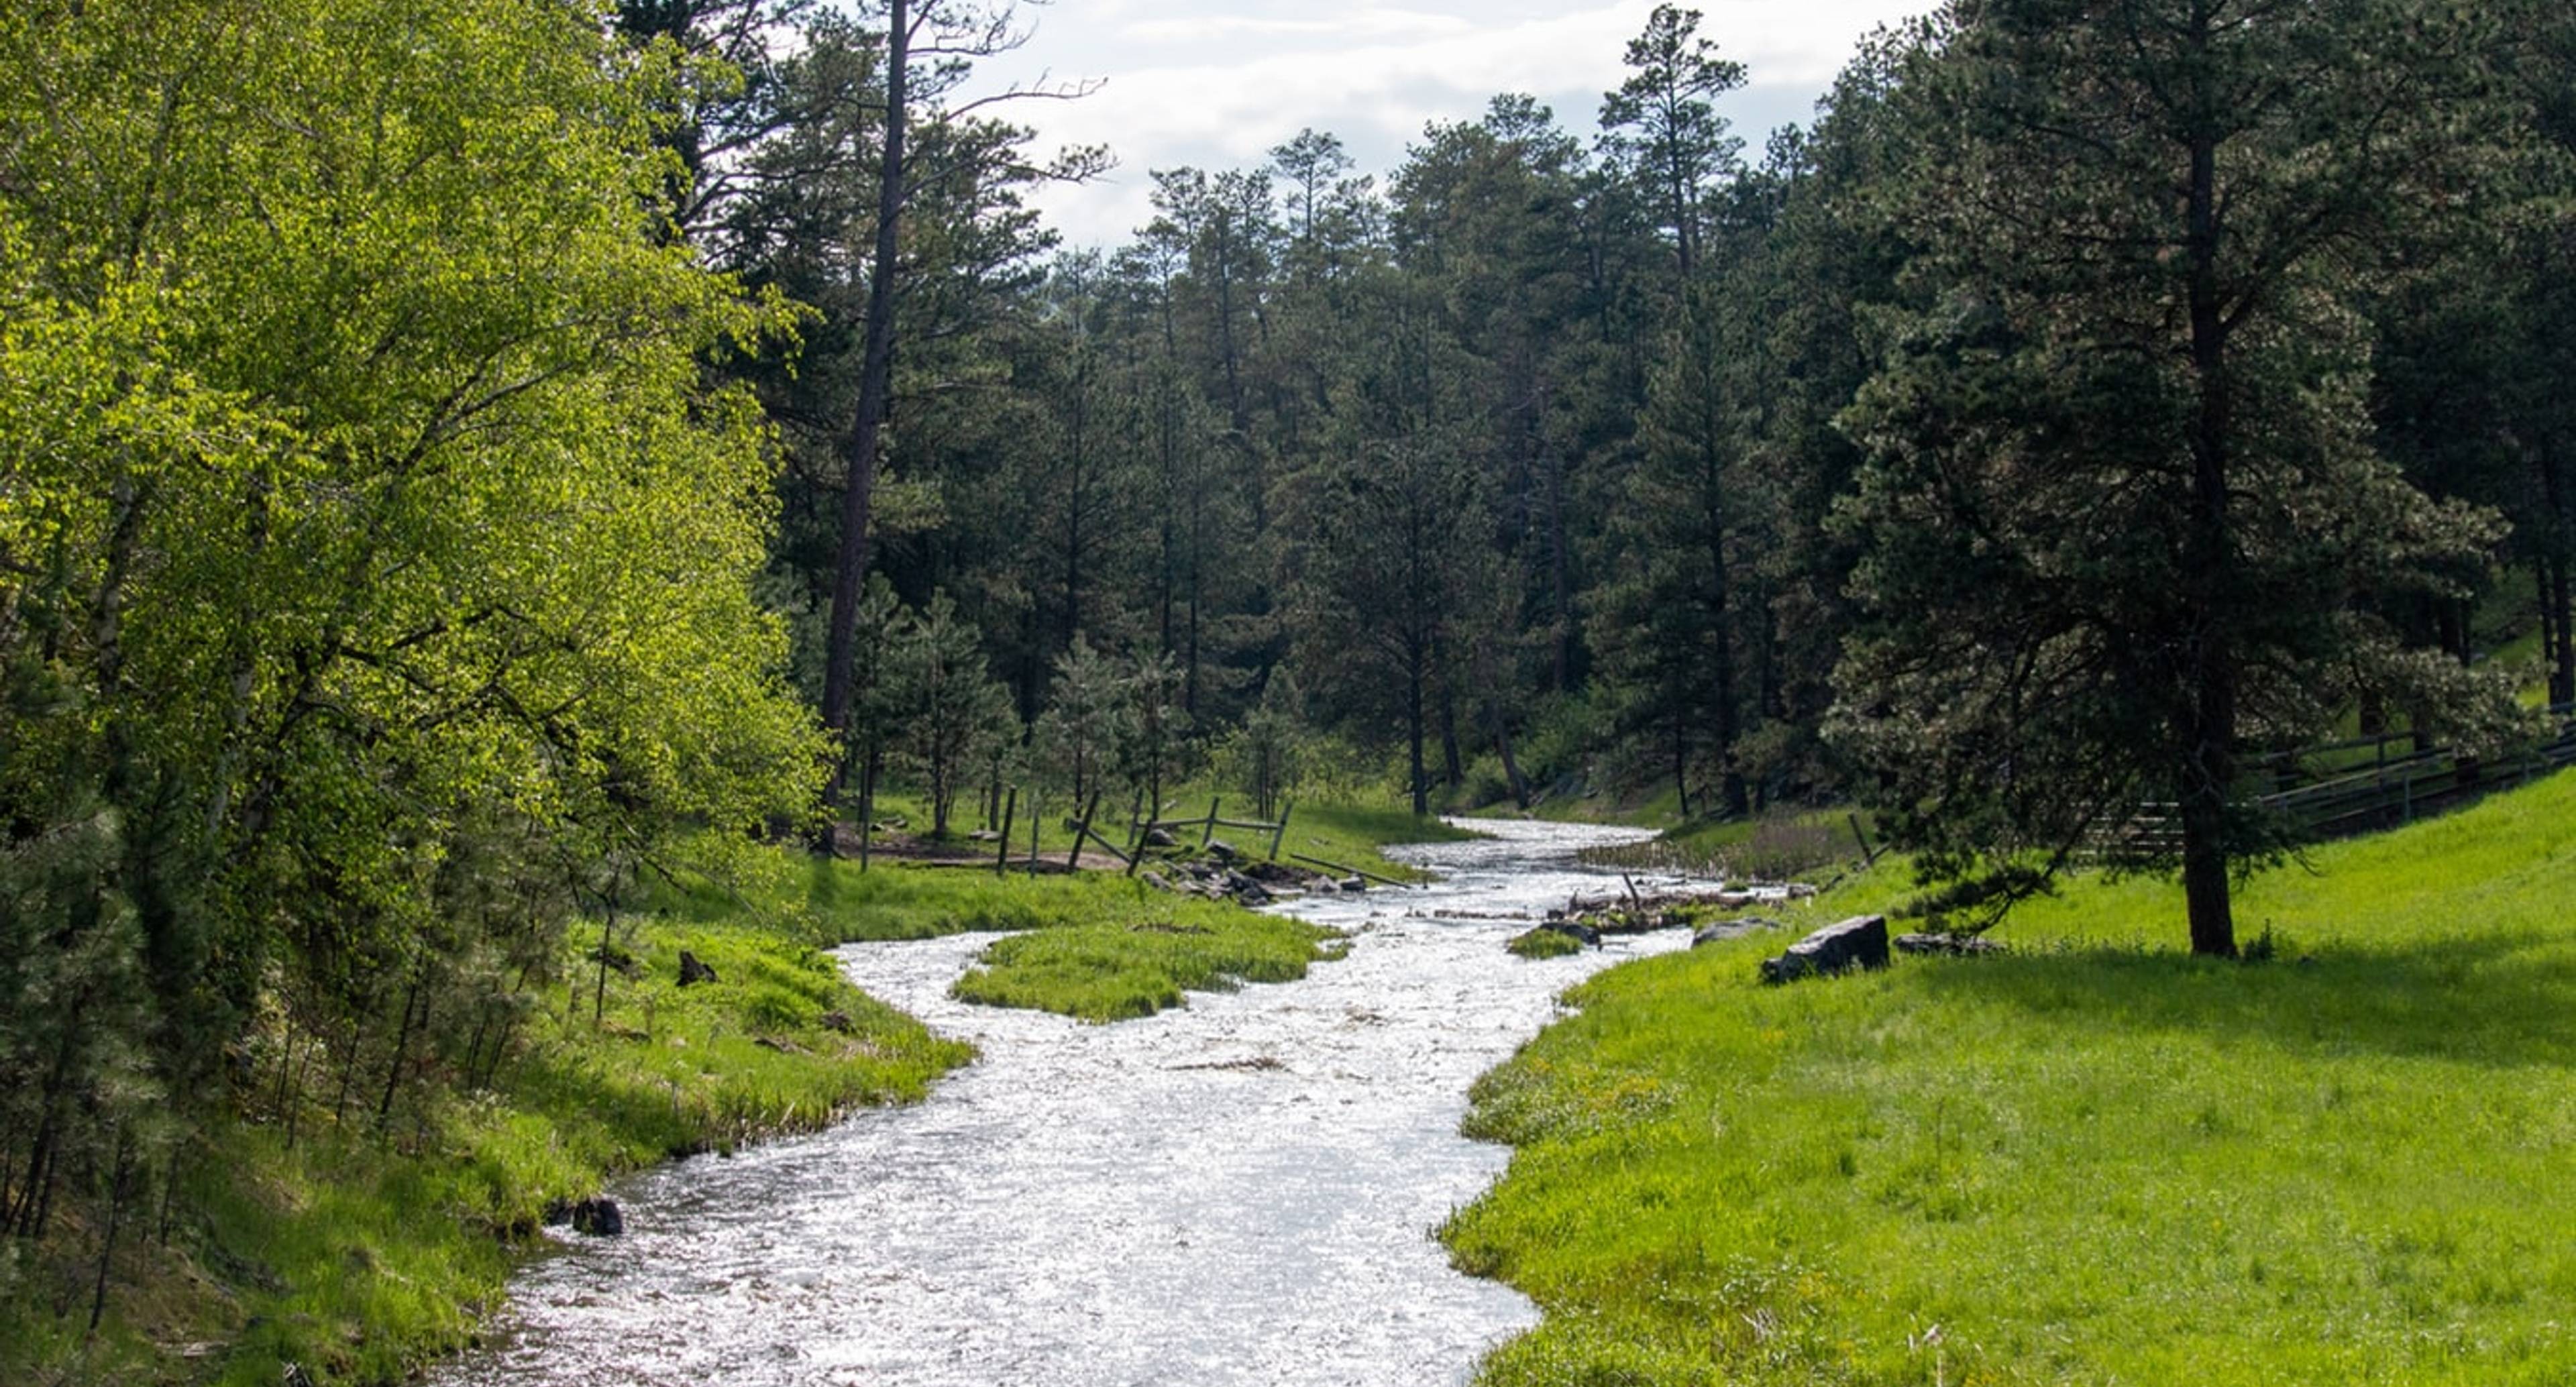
[(1241, 1191)]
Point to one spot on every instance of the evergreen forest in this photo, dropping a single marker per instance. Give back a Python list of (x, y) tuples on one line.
[(474, 474)]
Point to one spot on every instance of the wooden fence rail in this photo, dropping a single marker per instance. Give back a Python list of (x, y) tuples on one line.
[(2365, 796)]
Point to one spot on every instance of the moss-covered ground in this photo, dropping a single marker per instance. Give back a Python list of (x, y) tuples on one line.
[(2093, 1160)]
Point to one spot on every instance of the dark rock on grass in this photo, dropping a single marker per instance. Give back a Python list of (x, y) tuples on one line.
[(1956, 945), (1222, 850), (1719, 931), (1160, 838), (692, 971), (838, 1021), (618, 960), (1859, 942)]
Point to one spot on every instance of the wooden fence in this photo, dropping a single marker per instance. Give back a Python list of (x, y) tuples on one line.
[(2370, 783)]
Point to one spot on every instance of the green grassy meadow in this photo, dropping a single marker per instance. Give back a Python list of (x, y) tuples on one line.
[(2094, 1160)]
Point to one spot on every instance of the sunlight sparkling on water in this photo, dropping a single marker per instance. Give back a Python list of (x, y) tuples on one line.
[(1239, 1191)]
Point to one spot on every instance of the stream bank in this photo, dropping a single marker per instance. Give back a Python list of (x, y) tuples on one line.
[(1238, 1191)]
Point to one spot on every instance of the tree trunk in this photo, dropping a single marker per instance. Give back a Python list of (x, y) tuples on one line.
[(875, 384), (1452, 766), (2562, 675), (2208, 744), (1560, 578), (116, 1187), (1413, 727), (402, 1051), (1511, 767), (2557, 616)]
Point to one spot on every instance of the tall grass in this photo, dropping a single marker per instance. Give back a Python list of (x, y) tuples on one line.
[(2093, 1160)]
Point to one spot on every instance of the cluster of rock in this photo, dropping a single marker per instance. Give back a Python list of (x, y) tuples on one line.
[(1219, 872), (1590, 919), (1862, 942), (597, 1216)]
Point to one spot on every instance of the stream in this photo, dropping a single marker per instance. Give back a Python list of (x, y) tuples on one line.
[(1238, 1191)]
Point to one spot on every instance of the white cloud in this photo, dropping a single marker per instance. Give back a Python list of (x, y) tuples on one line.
[(1220, 84)]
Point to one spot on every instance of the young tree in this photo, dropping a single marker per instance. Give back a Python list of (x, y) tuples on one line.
[(953, 708), (1089, 718)]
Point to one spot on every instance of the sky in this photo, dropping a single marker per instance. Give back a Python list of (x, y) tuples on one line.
[(1218, 84)]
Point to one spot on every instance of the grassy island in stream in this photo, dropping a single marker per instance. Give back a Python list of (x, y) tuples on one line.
[(2091, 1160), (1098, 945)]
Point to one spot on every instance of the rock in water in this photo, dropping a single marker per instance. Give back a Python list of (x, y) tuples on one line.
[(599, 1217), (692, 971), (1859, 942)]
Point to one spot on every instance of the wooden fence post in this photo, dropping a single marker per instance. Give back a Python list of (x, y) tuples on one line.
[(1081, 831), (1002, 853), (1286, 808), (1136, 828)]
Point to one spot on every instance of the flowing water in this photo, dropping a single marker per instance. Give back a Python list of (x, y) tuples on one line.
[(1239, 1191)]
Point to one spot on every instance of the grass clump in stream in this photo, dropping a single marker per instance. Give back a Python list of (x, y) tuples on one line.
[(1544, 943), (1115, 972), (2091, 1160)]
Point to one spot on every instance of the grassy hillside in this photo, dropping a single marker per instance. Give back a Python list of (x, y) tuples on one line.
[(2095, 1160), (357, 1245)]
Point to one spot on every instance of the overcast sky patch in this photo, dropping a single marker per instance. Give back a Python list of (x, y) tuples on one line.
[(1218, 85)]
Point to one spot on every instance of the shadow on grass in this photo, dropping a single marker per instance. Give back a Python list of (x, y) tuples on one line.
[(2504, 1000)]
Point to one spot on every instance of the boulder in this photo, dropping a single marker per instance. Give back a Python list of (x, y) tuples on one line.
[(1859, 942), (837, 1021), (693, 972), (599, 1217), (1160, 838), (1222, 850), (1718, 931), (1353, 883)]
